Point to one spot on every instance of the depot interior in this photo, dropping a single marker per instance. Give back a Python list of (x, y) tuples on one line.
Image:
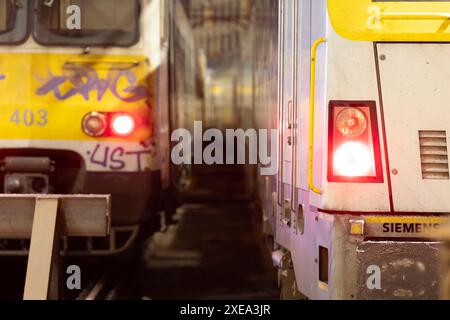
[(213, 247)]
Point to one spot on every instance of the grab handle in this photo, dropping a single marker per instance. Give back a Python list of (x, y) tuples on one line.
[(311, 115)]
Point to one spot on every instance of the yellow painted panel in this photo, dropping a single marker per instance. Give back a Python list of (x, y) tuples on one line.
[(46, 96), (369, 20), (406, 219)]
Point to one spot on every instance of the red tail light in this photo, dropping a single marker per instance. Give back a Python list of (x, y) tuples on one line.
[(354, 145), (122, 125), (98, 124)]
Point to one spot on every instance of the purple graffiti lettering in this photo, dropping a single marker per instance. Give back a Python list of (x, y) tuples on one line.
[(103, 162), (53, 85), (113, 158), (138, 155), (116, 162), (137, 92), (85, 81), (102, 87)]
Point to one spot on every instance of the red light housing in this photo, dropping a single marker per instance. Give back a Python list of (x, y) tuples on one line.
[(109, 124), (95, 124), (353, 143)]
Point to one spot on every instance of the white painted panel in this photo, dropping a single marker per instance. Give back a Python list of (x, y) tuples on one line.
[(415, 86), (353, 77)]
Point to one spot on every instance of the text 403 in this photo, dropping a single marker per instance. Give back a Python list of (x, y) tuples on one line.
[(30, 117)]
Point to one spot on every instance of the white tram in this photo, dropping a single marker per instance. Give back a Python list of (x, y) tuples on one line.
[(361, 101)]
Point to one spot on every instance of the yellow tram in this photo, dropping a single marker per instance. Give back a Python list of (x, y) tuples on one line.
[(85, 104)]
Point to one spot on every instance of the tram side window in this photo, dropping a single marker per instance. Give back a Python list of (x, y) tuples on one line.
[(7, 15), (13, 21), (87, 22)]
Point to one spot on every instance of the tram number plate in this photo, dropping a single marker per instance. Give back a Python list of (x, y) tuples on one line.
[(29, 117)]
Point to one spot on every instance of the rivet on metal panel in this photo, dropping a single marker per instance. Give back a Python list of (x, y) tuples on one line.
[(382, 57)]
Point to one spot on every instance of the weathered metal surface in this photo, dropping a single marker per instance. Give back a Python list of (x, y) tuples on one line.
[(408, 270), (444, 235), (80, 215), (27, 164)]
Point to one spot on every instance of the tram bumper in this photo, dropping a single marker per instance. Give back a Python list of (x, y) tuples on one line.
[(134, 196), (399, 270), (394, 257)]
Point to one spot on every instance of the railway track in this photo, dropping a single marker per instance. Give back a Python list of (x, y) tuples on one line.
[(109, 284)]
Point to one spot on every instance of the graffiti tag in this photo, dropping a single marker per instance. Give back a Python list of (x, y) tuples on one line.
[(85, 81), (115, 158)]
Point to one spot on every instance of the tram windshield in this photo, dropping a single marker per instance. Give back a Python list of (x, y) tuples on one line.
[(8, 12), (391, 20), (87, 22)]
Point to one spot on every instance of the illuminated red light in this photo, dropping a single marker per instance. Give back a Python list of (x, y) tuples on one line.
[(351, 122), (123, 125), (354, 154), (353, 159)]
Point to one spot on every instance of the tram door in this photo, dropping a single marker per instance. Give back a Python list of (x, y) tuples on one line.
[(287, 106)]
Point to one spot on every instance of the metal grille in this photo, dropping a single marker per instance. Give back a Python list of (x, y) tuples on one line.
[(434, 155)]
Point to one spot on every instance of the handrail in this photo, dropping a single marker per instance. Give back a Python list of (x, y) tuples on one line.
[(280, 101), (312, 113), (294, 120)]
